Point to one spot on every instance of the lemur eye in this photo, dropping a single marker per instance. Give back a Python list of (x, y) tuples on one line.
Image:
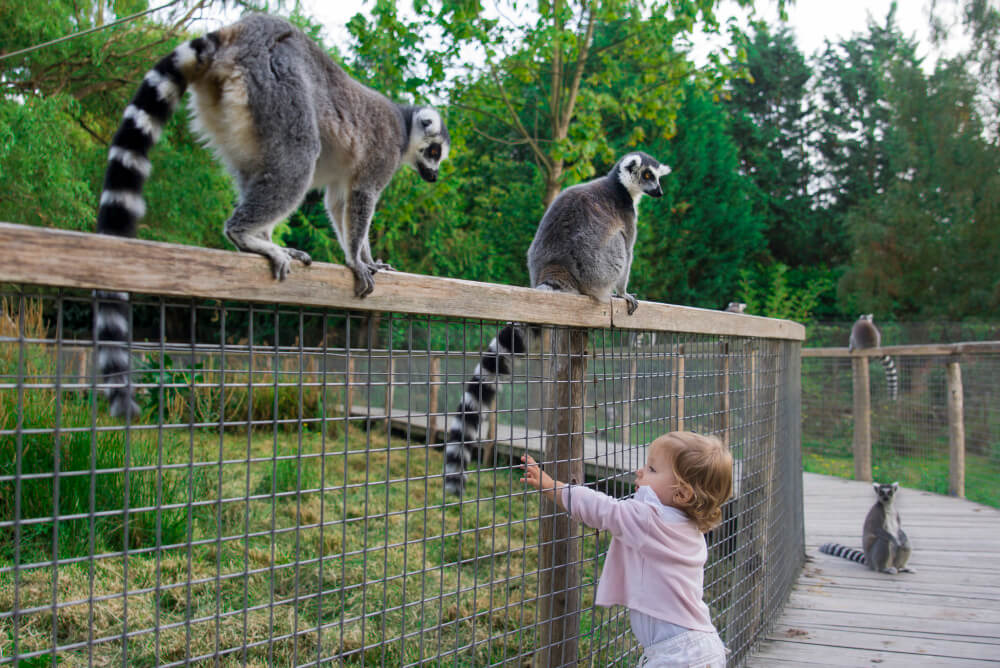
[(647, 175)]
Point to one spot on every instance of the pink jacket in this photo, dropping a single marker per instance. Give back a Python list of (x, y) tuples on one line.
[(653, 566)]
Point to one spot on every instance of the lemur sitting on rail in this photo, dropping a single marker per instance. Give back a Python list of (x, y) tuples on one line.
[(583, 246)]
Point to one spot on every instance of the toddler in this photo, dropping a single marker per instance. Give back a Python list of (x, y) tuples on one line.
[(655, 564)]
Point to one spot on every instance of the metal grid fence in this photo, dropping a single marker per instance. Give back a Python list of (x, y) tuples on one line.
[(277, 502), (911, 438)]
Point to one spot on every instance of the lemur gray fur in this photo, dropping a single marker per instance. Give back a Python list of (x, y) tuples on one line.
[(886, 547), (864, 334), (283, 118), (736, 307), (583, 245)]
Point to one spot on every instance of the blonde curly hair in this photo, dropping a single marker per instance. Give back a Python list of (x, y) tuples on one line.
[(704, 468)]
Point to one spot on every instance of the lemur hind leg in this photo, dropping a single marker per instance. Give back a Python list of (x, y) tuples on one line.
[(265, 201), (903, 554)]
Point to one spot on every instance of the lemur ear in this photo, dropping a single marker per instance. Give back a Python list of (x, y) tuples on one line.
[(663, 170), (875, 486), (895, 486), (632, 163)]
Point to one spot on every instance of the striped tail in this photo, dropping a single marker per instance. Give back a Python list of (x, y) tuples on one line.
[(838, 550), (891, 377), (122, 205), (480, 392)]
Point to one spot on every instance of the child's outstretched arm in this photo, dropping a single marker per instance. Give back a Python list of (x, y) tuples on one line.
[(624, 520), (539, 479)]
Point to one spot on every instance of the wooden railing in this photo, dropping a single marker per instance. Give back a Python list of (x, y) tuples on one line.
[(769, 374), (954, 353)]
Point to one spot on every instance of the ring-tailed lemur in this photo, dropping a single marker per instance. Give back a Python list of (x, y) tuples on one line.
[(886, 547), (283, 118), (736, 307), (583, 245), (864, 334)]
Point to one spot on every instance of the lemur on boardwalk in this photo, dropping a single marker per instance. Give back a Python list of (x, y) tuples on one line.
[(736, 307), (864, 334), (283, 118), (583, 245), (886, 547)]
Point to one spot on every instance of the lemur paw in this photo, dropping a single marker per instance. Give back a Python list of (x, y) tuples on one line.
[(363, 281), (633, 303), (379, 265), (281, 264), (301, 256)]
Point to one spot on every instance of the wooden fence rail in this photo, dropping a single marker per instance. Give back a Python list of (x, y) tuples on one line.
[(953, 352)]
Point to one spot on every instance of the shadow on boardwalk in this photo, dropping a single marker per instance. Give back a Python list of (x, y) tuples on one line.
[(842, 614)]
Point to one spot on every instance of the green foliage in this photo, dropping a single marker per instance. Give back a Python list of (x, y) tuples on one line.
[(89, 465), (853, 167), (42, 181), (776, 291), (693, 242)]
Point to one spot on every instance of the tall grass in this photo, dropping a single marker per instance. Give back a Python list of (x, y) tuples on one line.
[(53, 472)]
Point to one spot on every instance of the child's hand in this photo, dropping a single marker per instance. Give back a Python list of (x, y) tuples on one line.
[(534, 475)]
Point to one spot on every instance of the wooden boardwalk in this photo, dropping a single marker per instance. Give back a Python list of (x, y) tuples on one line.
[(601, 457), (842, 614)]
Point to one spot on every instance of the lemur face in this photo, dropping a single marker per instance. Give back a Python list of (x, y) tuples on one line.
[(885, 492), (640, 174), (429, 143)]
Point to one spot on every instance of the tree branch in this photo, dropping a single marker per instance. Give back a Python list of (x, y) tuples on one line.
[(583, 48), (517, 122)]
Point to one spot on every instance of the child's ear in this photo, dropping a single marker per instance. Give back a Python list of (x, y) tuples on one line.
[(683, 494)]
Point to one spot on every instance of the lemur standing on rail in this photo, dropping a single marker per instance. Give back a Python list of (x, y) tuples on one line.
[(284, 118), (886, 547), (864, 334), (583, 245)]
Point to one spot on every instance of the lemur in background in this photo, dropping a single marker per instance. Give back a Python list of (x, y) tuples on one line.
[(283, 118), (886, 547), (583, 245), (736, 307), (864, 334)]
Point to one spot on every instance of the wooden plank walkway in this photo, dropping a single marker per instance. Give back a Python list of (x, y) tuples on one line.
[(601, 457), (842, 614)]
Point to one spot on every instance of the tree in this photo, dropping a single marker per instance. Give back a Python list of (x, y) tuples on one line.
[(929, 245), (546, 82), (771, 130), (694, 243)]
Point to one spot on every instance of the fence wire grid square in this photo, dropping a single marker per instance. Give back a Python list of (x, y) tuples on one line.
[(279, 499)]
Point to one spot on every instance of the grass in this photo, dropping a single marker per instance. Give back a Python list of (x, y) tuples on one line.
[(367, 558)]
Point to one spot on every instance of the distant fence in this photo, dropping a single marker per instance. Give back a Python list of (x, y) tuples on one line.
[(277, 500), (941, 434)]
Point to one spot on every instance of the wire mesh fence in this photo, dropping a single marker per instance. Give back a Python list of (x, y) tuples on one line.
[(910, 435), (279, 499)]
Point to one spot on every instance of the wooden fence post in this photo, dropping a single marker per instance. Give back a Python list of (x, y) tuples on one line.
[(390, 364), (349, 386), (679, 383), (956, 431), (433, 375), (724, 395), (627, 403), (862, 419), (559, 554)]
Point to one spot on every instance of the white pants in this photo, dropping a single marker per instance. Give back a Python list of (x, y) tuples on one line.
[(693, 649)]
